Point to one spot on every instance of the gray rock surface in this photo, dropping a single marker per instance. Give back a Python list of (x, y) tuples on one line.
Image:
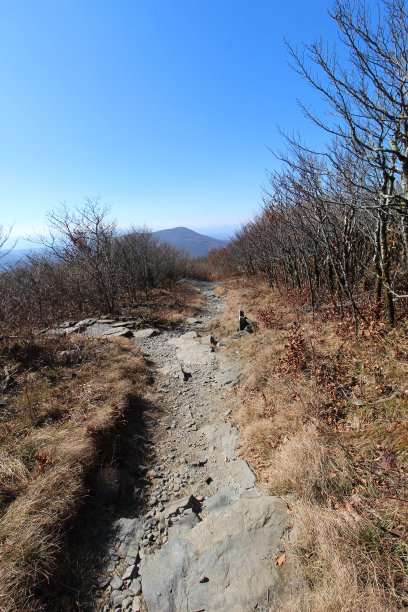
[(118, 331), (242, 474), (234, 548), (142, 334), (206, 538), (222, 436)]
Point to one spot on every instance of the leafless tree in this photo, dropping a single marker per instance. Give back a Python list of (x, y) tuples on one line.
[(85, 237), (367, 96)]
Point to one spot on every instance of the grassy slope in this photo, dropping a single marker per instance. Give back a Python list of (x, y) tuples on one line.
[(62, 406), (64, 403), (323, 415)]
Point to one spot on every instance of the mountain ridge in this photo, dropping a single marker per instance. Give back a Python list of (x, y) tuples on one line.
[(197, 245)]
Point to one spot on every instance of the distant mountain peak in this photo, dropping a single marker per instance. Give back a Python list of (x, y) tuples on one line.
[(198, 245)]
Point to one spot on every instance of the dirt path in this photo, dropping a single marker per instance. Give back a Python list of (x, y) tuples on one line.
[(208, 539)]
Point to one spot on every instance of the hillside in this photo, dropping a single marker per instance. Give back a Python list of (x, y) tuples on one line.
[(196, 244)]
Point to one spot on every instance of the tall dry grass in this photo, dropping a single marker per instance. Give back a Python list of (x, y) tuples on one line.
[(51, 449), (319, 427)]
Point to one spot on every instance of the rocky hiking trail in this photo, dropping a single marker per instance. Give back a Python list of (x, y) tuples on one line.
[(206, 538)]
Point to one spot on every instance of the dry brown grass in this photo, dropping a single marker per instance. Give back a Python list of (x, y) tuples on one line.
[(340, 561), (323, 416), (167, 308), (306, 464), (55, 419)]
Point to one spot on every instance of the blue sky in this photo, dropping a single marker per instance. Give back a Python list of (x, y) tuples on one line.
[(163, 109)]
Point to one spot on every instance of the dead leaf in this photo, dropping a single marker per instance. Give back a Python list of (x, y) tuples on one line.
[(281, 560)]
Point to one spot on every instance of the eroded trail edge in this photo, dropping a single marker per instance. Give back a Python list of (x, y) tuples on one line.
[(209, 539)]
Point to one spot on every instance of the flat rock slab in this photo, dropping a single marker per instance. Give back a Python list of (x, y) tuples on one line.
[(221, 500), (87, 322), (142, 334), (190, 352), (118, 331), (222, 436), (99, 328), (228, 373), (242, 473), (189, 501), (226, 562)]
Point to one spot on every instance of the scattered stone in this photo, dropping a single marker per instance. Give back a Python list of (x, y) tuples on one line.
[(199, 463), (116, 582), (118, 599), (135, 586), (133, 551), (209, 340), (131, 528), (143, 334), (183, 374), (136, 605), (129, 572), (194, 554), (127, 603), (184, 502)]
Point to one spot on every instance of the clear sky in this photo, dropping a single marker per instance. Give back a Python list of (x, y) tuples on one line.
[(163, 108)]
